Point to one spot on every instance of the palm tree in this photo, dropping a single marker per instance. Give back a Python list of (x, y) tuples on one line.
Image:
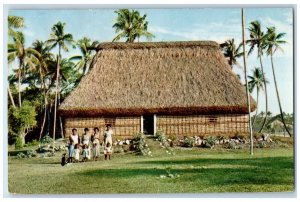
[(131, 25), (62, 40), (258, 39), (273, 43), (24, 56), (231, 52), (13, 22), (256, 81), (43, 57), (86, 48)]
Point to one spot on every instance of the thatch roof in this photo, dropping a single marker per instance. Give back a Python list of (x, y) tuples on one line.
[(158, 77)]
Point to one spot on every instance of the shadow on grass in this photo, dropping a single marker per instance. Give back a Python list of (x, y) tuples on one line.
[(208, 176), (264, 162), (268, 170)]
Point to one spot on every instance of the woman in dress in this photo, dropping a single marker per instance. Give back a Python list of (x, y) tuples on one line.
[(96, 143), (73, 140), (86, 141)]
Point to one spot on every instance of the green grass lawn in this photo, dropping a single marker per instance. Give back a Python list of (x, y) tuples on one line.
[(200, 170)]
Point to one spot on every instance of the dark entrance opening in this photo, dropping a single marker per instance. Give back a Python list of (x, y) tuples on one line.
[(148, 124)]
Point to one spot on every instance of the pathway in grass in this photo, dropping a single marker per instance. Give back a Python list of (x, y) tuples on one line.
[(200, 170)]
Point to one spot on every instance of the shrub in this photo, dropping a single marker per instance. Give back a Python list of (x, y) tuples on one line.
[(46, 139), (232, 145), (140, 145), (210, 142), (262, 144), (19, 143), (161, 137), (32, 143), (189, 142)]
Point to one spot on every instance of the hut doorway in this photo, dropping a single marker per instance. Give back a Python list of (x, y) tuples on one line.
[(148, 123)]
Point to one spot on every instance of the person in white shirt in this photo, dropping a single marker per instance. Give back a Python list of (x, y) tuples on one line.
[(76, 153), (73, 140), (96, 143), (108, 133), (86, 141)]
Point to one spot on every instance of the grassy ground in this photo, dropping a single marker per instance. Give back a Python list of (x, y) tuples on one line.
[(200, 170)]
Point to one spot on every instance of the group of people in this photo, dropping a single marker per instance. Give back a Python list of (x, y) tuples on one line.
[(88, 145)]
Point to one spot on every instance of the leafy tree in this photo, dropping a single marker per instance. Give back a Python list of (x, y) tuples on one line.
[(258, 40), (131, 26), (22, 120), (272, 44)]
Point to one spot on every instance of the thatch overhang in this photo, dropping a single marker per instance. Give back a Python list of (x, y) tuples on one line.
[(171, 78)]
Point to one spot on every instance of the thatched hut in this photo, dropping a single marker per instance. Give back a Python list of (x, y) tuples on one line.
[(180, 88)]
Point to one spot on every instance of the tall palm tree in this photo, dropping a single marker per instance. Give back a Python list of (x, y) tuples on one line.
[(14, 22), (59, 38), (272, 44), (131, 25), (231, 52), (256, 81), (17, 50), (43, 57), (86, 48), (258, 39)]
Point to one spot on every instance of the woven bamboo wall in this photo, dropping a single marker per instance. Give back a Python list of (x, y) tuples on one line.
[(123, 127), (202, 125)]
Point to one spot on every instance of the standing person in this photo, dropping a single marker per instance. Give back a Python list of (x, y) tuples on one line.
[(73, 140), (107, 151), (86, 140), (96, 143), (76, 153), (108, 135)]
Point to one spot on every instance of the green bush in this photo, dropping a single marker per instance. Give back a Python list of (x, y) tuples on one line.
[(19, 143), (140, 145), (189, 142), (46, 140), (210, 142), (161, 137), (32, 143)]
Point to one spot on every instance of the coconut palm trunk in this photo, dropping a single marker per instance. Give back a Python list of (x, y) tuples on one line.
[(246, 80), (19, 83), (257, 96), (45, 110), (56, 94), (11, 97), (265, 90), (278, 98)]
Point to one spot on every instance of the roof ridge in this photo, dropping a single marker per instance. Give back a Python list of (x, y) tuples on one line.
[(147, 45)]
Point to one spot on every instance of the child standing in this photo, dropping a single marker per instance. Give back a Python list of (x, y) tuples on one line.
[(63, 160), (76, 153), (108, 151), (85, 153)]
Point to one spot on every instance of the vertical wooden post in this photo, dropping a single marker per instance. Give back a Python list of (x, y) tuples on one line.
[(154, 124), (142, 124), (247, 91)]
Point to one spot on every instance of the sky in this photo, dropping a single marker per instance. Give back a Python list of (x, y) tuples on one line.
[(216, 24)]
